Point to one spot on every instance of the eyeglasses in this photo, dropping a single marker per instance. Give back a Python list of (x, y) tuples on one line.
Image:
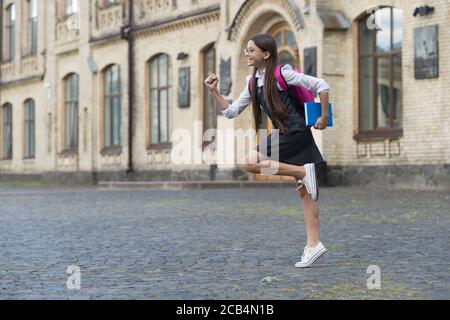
[(248, 52)]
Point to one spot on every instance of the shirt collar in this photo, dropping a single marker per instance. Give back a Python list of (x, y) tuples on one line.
[(260, 73)]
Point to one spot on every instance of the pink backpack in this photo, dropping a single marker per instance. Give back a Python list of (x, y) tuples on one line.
[(301, 94)]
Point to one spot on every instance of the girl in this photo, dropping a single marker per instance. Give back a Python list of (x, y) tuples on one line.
[(298, 152)]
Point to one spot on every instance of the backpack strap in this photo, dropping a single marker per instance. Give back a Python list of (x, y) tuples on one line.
[(280, 79), (278, 76), (250, 85)]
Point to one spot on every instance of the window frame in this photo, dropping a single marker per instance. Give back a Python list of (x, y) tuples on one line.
[(111, 96), (159, 144), (7, 122), (284, 28), (10, 30), (29, 129), (374, 56), (69, 103), (32, 21)]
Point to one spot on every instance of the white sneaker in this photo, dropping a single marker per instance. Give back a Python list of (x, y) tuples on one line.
[(310, 255), (310, 181)]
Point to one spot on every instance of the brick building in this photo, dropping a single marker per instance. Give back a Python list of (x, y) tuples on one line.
[(102, 89)]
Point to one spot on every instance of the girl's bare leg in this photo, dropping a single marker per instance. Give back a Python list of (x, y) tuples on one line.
[(255, 163), (311, 213)]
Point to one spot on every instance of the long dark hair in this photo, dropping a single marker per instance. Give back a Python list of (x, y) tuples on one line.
[(272, 97)]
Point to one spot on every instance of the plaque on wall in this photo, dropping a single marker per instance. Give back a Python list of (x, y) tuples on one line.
[(426, 55), (310, 61), (184, 91), (225, 77)]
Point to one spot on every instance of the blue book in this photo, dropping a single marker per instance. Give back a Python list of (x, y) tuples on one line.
[(313, 111)]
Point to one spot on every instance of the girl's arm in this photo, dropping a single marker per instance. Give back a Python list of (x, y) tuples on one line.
[(322, 122), (294, 78), (315, 85), (230, 111), (221, 101)]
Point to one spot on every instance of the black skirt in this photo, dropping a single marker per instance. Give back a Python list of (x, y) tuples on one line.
[(297, 146)]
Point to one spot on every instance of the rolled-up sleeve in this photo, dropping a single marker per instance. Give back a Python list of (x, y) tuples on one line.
[(294, 78), (240, 103)]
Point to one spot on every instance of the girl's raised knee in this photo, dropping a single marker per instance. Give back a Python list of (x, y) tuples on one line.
[(248, 167)]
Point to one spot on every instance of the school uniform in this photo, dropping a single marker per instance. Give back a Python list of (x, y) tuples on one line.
[(297, 145)]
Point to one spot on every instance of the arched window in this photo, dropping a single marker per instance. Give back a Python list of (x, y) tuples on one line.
[(380, 72), (7, 131), (29, 134), (286, 43), (71, 98), (112, 106), (160, 99)]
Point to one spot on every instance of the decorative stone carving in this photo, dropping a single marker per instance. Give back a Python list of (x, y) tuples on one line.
[(225, 76), (426, 52), (310, 61), (184, 87)]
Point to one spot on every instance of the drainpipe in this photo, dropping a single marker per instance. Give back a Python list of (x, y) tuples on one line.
[(126, 33)]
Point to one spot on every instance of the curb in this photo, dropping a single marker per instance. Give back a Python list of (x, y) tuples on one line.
[(180, 185)]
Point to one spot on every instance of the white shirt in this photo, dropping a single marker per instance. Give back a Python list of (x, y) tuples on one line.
[(292, 77)]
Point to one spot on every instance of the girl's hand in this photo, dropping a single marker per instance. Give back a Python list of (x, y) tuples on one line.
[(211, 82), (321, 123)]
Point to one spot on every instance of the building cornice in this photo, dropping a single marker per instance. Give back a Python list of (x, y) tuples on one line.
[(179, 22), (24, 80)]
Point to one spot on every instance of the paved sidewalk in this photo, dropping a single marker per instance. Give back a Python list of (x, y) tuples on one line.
[(221, 244)]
